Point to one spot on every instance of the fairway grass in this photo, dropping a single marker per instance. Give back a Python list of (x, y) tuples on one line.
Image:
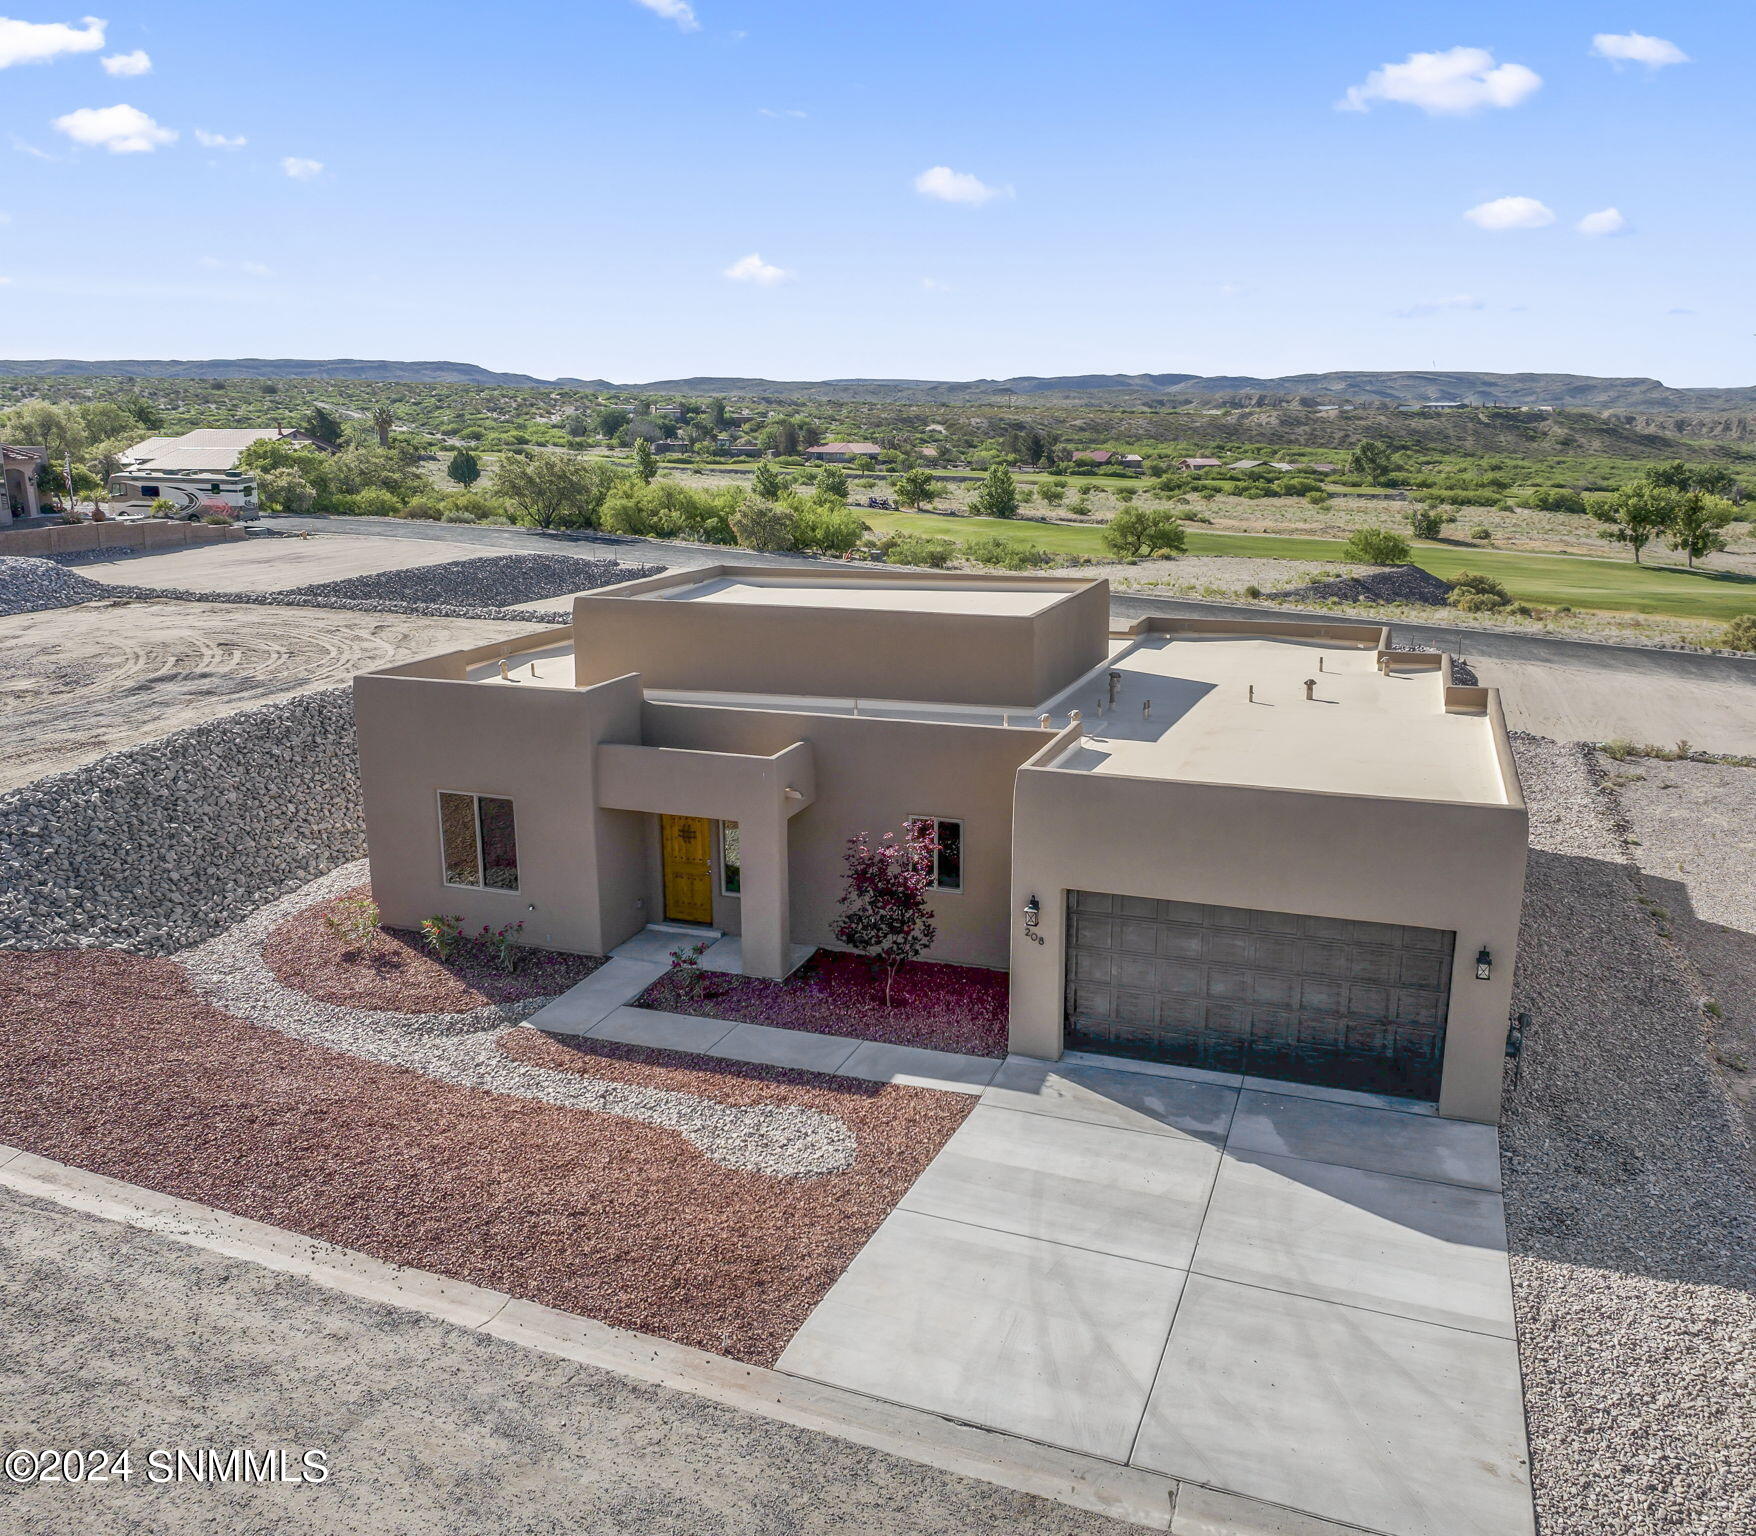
[(1547, 581)]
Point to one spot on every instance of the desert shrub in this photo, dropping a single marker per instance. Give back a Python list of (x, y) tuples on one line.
[(1475, 602), (217, 520), (1481, 533), (375, 501), (426, 509), (283, 490), (919, 549), (827, 527), (1252, 591), (354, 921), (1376, 546), (1475, 581), (1317, 498), (758, 524), (1425, 523), (1052, 492), (442, 934), (1006, 554), (1299, 485), (458, 515), (1740, 634), (1555, 499)]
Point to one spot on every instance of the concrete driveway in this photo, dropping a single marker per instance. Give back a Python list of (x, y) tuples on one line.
[(1296, 1295)]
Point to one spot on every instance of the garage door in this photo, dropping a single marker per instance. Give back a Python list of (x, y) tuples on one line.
[(1280, 994)]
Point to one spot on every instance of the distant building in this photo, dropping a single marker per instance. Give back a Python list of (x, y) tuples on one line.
[(1109, 459), (1197, 463), (18, 485), (199, 466), (1283, 468), (842, 453), (1319, 469), (1245, 464)]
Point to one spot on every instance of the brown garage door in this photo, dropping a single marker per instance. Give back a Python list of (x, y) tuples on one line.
[(1280, 994)]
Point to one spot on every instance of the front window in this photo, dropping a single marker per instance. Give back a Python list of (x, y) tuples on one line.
[(479, 841), (731, 864), (947, 837)]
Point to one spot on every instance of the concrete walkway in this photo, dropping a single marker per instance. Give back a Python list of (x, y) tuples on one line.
[(1294, 1295)]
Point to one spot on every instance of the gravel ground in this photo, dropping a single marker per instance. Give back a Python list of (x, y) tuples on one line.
[(1397, 584), (82, 681), (938, 1007), (777, 1139), (428, 1428), (1695, 830), (1628, 1198), (481, 581), (1203, 575), (115, 1063), (394, 970)]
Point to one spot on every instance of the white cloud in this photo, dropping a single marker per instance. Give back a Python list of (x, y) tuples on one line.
[(1637, 48), (1606, 221), (1440, 306), (1511, 213), (219, 140), (950, 186), (753, 269), (300, 169), (123, 130), (1452, 83), (34, 42), (933, 285), (1232, 290), (679, 11), (136, 63), (4, 281), (783, 112), (254, 269)]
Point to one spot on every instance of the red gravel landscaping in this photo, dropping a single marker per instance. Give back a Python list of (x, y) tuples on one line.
[(939, 1007), (113, 1063), (396, 973)]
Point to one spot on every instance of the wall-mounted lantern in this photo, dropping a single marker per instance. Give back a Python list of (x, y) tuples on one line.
[(1484, 964), (1033, 912)]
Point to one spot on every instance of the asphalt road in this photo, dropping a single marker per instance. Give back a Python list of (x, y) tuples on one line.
[(112, 1337), (1473, 643)]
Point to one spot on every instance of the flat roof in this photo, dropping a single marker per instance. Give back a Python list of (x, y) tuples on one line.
[(1362, 733), (921, 595)]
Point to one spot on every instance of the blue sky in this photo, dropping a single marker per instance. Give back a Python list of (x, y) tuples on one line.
[(639, 189)]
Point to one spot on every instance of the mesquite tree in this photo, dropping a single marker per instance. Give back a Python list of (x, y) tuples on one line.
[(884, 906)]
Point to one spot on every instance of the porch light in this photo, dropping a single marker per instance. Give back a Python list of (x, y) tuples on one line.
[(1484, 964), (1033, 911)]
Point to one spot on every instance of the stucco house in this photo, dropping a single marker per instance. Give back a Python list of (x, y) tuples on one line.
[(1257, 847), (842, 453), (19, 468)]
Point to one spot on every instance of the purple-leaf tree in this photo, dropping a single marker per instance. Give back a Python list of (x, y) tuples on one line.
[(884, 906)]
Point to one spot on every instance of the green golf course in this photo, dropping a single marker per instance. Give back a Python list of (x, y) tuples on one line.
[(1547, 581)]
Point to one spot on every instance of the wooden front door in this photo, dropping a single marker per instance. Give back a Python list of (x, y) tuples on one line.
[(688, 868)]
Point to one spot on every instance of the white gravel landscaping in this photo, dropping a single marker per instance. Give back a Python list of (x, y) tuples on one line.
[(778, 1139), (1628, 1197)]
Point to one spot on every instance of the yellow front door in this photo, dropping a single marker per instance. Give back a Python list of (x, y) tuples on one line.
[(688, 869)]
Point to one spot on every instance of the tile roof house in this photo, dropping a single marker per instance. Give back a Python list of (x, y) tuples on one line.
[(1252, 847), (841, 453)]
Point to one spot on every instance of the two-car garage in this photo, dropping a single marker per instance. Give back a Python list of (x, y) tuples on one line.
[(1297, 996)]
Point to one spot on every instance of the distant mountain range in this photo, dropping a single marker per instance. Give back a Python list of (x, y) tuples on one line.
[(1576, 391)]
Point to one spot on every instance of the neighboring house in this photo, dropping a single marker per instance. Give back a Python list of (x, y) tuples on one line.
[(1197, 463), (842, 453), (199, 466), (1265, 847), (18, 483), (1245, 464), (1283, 468), (1320, 469), (1109, 458)]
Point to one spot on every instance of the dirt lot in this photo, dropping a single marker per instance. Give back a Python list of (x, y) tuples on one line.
[(273, 565), (78, 682)]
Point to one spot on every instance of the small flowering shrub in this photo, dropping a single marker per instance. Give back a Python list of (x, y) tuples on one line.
[(686, 965), (884, 905), (441, 935), (502, 945)]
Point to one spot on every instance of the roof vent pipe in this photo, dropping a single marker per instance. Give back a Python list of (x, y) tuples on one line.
[(1310, 687)]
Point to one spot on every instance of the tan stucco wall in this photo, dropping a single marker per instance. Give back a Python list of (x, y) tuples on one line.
[(1427, 864), (75, 538), (581, 867), (952, 658), (871, 775)]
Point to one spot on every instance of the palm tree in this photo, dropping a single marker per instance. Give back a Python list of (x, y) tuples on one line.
[(383, 419)]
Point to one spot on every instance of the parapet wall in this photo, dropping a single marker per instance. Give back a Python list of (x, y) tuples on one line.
[(164, 845), (82, 538)]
